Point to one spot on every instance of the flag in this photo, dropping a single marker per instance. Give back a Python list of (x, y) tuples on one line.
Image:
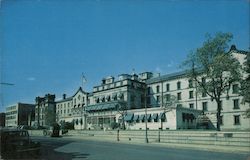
[(84, 80)]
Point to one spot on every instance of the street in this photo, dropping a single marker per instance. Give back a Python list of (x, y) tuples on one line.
[(67, 148)]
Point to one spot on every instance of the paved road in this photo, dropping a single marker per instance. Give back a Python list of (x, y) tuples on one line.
[(66, 149)]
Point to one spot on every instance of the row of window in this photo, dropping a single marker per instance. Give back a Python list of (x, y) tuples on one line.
[(235, 87), (236, 105), (236, 120)]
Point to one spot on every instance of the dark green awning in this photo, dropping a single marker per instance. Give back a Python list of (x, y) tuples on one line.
[(136, 117), (128, 117), (148, 116), (155, 116), (162, 116), (142, 117)]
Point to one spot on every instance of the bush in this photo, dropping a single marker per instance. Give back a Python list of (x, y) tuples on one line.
[(68, 125), (114, 125)]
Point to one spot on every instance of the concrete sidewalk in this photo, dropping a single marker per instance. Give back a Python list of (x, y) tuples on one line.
[(214, 148)]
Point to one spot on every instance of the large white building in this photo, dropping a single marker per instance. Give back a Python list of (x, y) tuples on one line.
[(136, 99)]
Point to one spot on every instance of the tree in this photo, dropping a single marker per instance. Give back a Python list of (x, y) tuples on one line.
[(213, 68), (245, 84), (122, 109), (169, 103)]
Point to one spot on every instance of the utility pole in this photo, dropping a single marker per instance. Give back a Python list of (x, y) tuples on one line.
[(146, 118)]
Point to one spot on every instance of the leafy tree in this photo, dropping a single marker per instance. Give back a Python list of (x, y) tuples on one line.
[(245, 84), (213, 69)]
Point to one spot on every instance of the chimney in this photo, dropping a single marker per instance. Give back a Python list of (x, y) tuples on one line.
[(64, 96), (233, 48)]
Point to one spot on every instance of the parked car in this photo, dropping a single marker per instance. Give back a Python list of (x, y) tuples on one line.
[(17, 142), (53, 131)]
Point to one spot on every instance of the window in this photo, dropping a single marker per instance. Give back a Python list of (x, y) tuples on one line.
[(191, 94), (179, 105), (221, 105), (167, 97), (168, 87), (148, 100), (204, 106), (157, 99), (179, 96), (190, 83), (148, 90), (142, 99), (178, 85), (157, 89), (237, 120), (203, 80), (235, 88), (236, 104), (221, 120), (203, 94), (191, 105)]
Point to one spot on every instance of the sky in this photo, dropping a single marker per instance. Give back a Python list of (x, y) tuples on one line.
[(46, 45)]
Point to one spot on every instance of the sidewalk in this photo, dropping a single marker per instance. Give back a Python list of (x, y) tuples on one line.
[(214, 148)]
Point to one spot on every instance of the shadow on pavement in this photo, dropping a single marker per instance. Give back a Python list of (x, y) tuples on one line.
[(47, 151)]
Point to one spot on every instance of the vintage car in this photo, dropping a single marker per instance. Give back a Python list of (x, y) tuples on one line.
[(17, 142), (53, 131)]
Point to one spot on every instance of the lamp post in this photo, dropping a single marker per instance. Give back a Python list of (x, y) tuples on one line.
[(146, 119)]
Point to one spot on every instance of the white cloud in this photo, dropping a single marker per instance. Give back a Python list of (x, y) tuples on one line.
[(171, 64), (31, 78), (158, 69)]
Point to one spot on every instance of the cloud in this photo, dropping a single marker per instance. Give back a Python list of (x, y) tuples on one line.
[(158, 69), (31, 78), (171, 64)]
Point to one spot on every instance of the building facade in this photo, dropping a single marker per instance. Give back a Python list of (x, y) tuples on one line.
[(71, 109), (169, 101), (19, 114), (45, 112), (2, 119)]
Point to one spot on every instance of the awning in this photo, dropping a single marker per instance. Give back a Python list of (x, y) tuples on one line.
[(114, 96), (162, 116), (128, 117), (108, 97), (142, 117), (120, 95), (136, 117), (101, 106), (155, 116), (148, 116)]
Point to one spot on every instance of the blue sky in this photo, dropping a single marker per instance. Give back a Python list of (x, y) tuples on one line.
[(47, 44)]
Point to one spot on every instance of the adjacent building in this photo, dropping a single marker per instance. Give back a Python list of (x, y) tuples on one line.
[(45, 112), (2, 119), (19, 114)]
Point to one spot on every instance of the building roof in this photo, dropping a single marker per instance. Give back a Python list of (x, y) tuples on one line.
[(64, 100), (233, 49), (167, 77)]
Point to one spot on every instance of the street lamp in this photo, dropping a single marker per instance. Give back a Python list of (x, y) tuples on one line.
[(146, 119)]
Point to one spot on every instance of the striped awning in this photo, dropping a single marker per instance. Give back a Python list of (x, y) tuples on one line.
[(142, 117), (148, 116), (128, 117), (162, 116), (155, 116), (136, 117)]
